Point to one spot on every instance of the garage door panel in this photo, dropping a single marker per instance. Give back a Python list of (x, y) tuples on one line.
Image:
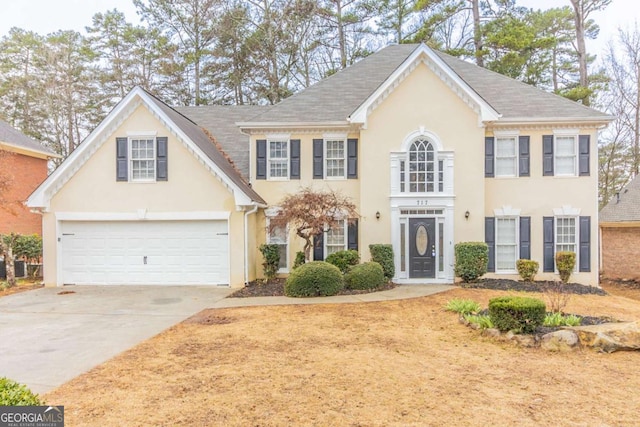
[(177, 252)]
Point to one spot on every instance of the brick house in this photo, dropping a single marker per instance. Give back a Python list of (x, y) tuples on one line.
[(27, 164), (620, 234)]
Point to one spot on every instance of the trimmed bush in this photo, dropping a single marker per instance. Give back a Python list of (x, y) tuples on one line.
[(344, 259), (472, 259), (565, 263), (314, 279), (518, 314), (299, 259), (369, 275), (383, 255), (527, 269), (16, 394), (271, 255)]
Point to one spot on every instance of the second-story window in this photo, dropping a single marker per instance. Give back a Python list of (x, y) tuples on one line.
[(565, 155), (335, 158), (278, 160), (143, 159), (423, 170), (506, 156)]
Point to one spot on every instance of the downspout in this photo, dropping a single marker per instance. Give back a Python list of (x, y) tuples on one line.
[(246, 242)]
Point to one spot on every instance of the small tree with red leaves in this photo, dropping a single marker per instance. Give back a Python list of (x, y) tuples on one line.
[(311, 212)]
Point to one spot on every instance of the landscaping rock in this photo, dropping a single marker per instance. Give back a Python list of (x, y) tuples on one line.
[(491, 332), (610, 337), (560, 341)]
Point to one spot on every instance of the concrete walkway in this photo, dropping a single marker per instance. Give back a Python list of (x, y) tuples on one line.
[(399, 292), (49, 336)]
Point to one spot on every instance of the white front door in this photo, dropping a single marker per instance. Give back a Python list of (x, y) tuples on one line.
[(145, 252)]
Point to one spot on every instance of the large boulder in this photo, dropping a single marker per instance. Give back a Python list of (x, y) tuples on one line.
[(610, 337), (560, 341)]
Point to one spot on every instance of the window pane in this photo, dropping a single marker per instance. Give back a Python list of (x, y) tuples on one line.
[(143, 159), (505, 147), (506, 247), (506, 157), (565, 165), (335, 158), (506, 166), (402, 247), (336, 238), (506, 257), (278, 236), (565, 146)]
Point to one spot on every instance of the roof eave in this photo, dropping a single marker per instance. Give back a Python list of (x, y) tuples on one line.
[(598, 121), (20, 149), (292, 125)]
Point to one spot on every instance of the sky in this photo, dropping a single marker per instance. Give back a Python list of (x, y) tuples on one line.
[(47, 16)]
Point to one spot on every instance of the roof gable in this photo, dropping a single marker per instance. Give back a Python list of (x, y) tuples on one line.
[(15, 140), (190, 134), (625, 206)]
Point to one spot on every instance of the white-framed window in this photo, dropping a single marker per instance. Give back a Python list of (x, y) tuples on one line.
[(280, 236), (506, 156), (506, 244), (335, 155), (336, 238), (566, 234), (278, 159), (143, 159), (424, 171), (565, 157)]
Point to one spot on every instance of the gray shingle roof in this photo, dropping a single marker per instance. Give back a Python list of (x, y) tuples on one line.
[(338, 96), (626, 208), (220, 121), (12, 136), (204, 142)]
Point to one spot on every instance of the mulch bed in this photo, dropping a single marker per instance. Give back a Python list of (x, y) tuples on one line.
[(275, 288), (538, 286)]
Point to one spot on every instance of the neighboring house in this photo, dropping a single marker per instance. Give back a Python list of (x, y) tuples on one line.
[(431, 149), (620, 234), (27, 165)]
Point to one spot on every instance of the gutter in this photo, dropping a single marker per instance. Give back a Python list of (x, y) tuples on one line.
[(246, 242)]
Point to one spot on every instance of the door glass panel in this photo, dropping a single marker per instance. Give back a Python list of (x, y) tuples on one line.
[(441, 247), (402, 248), (422, 240)]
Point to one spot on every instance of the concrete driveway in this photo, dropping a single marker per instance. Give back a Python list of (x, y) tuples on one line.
[(48, 336)]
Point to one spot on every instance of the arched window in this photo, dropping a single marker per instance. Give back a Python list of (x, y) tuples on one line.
[(423, 173)]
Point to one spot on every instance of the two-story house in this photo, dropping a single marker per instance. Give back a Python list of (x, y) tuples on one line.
[(25, 161), (431, 149)]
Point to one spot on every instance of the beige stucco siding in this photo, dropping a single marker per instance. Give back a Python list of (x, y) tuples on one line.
[(422, 100), (537, 196), (191, 187)]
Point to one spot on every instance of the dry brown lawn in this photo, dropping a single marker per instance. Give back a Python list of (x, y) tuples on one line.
[(399, 363)]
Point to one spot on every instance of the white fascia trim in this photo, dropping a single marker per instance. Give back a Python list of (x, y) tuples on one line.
[(21, 148), (290, 125), (487, 112), (142, 215), (596, 121), (39, 198)]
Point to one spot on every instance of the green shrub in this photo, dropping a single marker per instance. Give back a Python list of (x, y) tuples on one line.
[(271, 255), (462, 306), (482, 320), (518, 314), (344, 259), (565, 263), (471, 260), (527, 269), (558, 319), (313, 279), (15, 394), (383, 255), (299, 259), (365, 276)]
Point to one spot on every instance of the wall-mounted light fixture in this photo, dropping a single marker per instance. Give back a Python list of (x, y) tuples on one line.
[(378, 215), (466, 215)]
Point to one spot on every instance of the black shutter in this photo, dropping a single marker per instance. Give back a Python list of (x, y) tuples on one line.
[(548, 258), (525, 237), (583, 150), (261, 159), (488, 157), (352, 242), (547, 155), (162, 166), (352, 158), (121, 159), (294, 150), (318, 149), (318, 247), (490, 240), (523, 158), (585, 243)]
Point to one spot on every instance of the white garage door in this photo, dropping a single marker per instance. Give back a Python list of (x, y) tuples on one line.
[(145, 252)]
